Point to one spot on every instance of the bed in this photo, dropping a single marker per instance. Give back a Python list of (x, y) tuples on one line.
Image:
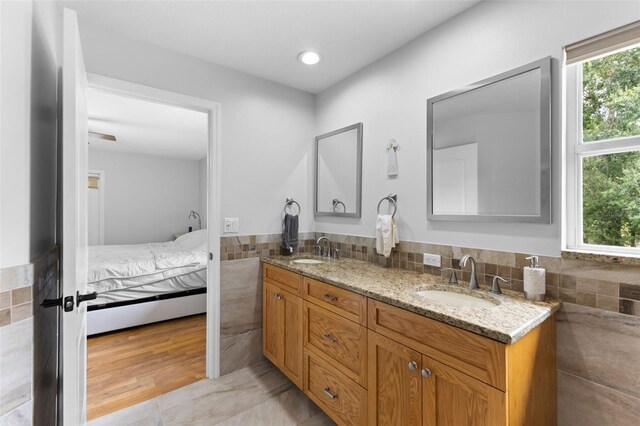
[(144, 283)]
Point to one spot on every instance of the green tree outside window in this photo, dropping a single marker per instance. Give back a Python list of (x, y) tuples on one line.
[(611, 182)]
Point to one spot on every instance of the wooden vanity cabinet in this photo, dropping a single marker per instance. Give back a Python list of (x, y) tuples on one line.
[(366, 362), (282, 320), (395, 384), (408, 388), (450, 397), (464, 378)]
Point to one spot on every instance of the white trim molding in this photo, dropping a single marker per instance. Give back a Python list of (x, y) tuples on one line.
[(213, 110), (575, 152)]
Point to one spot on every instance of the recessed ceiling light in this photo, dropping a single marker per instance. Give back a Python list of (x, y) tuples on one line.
[(309, 57)]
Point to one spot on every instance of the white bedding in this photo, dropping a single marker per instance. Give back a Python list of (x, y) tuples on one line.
[(121, 266)]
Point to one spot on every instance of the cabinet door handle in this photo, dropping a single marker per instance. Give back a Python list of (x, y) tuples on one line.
[(330, 395), (426, 372), (330, 338), (412, 365), (278, 296), (330, 298)]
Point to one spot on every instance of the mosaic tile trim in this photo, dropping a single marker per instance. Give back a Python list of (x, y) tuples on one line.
[(16, 291), (596, 281), (17, 286), (248, 246), (600, 284)]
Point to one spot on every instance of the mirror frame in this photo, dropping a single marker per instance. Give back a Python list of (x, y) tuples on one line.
[(358, 212), (544, 65)]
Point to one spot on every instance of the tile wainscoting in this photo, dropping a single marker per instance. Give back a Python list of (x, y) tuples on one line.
[(28, 342), (15, 294), (598, 340), (597, 363), (16, 345), (240, 314), (241, 296)]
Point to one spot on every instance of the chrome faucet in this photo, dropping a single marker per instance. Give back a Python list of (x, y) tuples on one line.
[(319, 246), (473, 281)]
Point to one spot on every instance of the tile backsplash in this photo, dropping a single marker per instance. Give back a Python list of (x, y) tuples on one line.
[(248, 246), (15, 294), (605, 283)]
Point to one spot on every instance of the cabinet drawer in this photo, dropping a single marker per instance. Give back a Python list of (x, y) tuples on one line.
[(337, 340), (339, 397), (342, 302), (287, 280), (477, 356)]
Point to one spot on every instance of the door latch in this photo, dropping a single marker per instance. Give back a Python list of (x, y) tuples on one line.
[(66, 303), (84, 297)]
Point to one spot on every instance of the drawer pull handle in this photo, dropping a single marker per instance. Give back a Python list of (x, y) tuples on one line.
[(413, 366), (330, 395), (426, 372), (330, 298), (330, 338), (278, 296)]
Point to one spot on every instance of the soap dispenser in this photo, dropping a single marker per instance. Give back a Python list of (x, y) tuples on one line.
[(534, 280)]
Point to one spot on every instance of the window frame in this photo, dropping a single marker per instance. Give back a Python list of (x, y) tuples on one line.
[(575, 151)]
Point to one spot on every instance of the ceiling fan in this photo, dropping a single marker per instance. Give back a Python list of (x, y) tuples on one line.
[(102, 136)]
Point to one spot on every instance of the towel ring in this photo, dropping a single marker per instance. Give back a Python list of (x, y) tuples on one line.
[(392, 199), (290, 202), (336, 203)]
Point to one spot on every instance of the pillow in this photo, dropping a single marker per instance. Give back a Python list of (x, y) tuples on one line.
[(192, 240)]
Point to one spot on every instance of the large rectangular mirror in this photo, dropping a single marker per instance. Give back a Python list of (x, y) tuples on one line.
[(489, 149), (339, 172)]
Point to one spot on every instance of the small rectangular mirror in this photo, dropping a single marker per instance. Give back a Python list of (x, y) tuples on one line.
[(489, 149), (339, 172)]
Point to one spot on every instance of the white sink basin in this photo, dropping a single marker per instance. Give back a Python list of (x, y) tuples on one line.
[(456, 299), (308, 261)]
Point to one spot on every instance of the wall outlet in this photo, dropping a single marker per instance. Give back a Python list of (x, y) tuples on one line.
[(231, 224), (431, 259)]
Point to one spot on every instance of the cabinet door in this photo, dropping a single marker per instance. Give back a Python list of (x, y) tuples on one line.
[(395, 388), (292, 322), (452, 398), (272, 323)]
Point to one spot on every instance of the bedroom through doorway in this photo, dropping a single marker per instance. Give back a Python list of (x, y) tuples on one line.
[(149, 248)]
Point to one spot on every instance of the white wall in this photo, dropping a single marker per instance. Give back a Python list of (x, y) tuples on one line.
[(147, 198), (267, 129), (389, 97), (29, 51)]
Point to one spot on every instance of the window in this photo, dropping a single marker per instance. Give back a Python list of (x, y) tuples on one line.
[(602, 191)]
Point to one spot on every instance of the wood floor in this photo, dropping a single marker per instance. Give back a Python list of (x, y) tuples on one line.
[(134, 365)]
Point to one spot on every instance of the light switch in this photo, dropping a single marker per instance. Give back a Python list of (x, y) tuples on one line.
[(231, 224)]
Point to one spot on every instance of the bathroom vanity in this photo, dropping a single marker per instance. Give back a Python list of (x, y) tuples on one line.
[(365, 345)]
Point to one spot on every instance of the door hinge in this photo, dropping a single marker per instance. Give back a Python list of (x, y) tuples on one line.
[(210, 256)]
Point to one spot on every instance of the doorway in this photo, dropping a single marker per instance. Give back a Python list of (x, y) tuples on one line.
[(205, 326)]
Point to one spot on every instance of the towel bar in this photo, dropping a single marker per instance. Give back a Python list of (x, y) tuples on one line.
[(393, 200), (290, 202), (336, 203)]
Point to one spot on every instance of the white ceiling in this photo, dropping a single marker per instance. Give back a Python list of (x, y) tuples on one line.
[(143, 127), (263, 38)]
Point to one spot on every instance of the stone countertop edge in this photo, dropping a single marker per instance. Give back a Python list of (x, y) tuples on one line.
[(509, 321)]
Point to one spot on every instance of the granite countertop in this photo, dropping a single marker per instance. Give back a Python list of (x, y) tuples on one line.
[(511, 318)]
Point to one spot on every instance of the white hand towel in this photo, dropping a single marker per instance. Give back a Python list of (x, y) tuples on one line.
[(392, 163), (386, 234), (396, 237)]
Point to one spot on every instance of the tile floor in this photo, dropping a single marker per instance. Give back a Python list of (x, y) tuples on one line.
[(257, 395)]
